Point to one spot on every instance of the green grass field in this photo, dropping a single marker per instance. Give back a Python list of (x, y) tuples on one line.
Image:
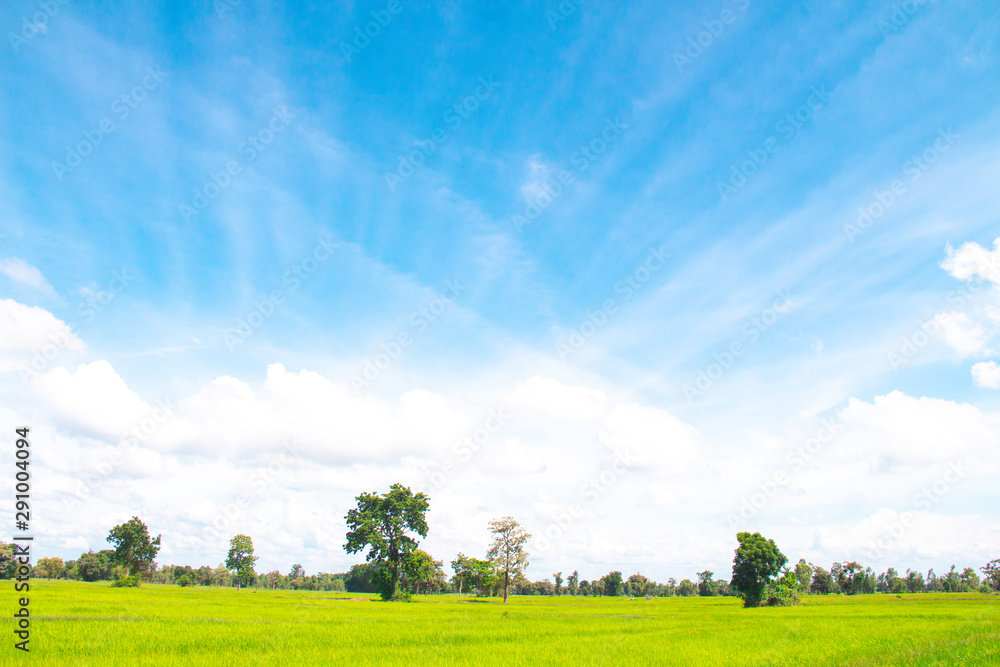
[(76, 623)]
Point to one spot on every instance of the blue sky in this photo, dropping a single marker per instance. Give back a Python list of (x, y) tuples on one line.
[(636, 119)]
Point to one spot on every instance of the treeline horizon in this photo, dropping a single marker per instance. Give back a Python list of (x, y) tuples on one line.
[(475, 577)]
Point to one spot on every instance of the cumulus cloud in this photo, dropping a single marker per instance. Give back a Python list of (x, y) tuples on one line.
[(962, 335), (27, 331), (986, 374), (21, 272), (973, 260)]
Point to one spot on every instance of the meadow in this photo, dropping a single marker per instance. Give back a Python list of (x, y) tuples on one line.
[(76, 623)]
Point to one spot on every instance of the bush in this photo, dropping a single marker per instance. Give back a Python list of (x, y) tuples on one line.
[(184, 580), (127, 582)]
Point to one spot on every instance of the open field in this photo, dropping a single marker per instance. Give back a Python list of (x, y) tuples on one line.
[(75, 623)]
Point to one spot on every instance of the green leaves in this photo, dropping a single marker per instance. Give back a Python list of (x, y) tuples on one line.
[(757, 561), (380, 523), (133, 547)]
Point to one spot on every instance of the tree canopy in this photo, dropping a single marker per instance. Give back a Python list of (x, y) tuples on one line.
[(757, 561), (380, 523), (241, 559), (134, 549), (507, 551)]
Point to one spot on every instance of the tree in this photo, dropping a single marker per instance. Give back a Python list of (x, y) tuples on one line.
[(573, 583), (380, 523), (421, 568), (991, 573), (241, 560), (460, 567), (914, 581), (558, 577), (757, 561), (687, 588), (970, 579), (803, 572), (822, 581), (706, 586), (49, 568), (507, 551), (8, 564), (612, 583), (134, 550)]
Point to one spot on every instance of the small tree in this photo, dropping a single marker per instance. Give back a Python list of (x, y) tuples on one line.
[(558, 578), (803, 572), (380, 523), (241, 560), (757, 561), (991, 573), (507, 551), (573, 583), (134, 550), (706, 586)]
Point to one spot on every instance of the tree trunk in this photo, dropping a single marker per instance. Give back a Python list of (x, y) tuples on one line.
[(506, 584)]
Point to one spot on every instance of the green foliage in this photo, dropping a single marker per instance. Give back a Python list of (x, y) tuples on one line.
[(991, 574), (757, 561), (8, 566), (134, 549), (129, 581), (706, 586), (185, 580), (507, 550), (784, 592), (611, 583), (803, 573), (241, 559), (380, 523)]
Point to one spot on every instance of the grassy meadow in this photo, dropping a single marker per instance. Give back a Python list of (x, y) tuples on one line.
[(76, 623)]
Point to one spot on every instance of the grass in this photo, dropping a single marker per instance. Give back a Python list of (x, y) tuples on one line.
[(75, 623)]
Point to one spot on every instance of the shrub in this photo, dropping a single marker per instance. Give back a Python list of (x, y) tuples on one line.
[(127, 582), (184, 580)]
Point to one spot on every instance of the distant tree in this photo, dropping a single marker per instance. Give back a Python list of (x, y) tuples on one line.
[(134, 550), (558, 579), (8, 566), (914, 581), (706, 586), (822, 582), (934, 583), (803, 572), (639, 585), (970, 579), (297, 572), (890, 582), (573, 583), (361, 578), (459, 566), (241, 560), (543, 587), (507, 551), (611, 583), (49, 568), (687, 588), (421, 570), (991, 574), (585, 587), (757, 561), (380, 523), (482, 575)]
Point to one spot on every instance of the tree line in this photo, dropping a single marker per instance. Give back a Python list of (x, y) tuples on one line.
[(385, 528)]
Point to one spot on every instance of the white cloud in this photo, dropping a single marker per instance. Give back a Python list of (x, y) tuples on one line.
[(93, 398), (27, 330), (21, 272), (986, 375), (962, 335), (973, 260)]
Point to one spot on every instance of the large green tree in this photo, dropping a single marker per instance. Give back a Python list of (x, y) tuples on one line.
[(134, 550), (507, 551), (241, 560), (757, 561), (381, 523)]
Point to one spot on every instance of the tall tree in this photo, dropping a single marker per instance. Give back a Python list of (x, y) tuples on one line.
[(134, 549), (460, 567), (380, 523), (991, 573), (507, 551), (573, 583), (558, 578), (803, 572), (241, 560), (757, 561)]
